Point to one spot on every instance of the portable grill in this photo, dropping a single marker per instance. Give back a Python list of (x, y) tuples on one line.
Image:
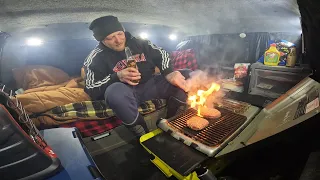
[(186, 154), (235, 116)]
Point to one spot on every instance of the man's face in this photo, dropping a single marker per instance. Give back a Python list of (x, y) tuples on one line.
[(115, 41)]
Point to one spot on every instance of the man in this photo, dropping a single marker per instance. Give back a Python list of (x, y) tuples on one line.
[(109, 78)]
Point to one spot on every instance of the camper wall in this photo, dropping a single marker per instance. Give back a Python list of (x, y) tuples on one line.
[(66, 46)]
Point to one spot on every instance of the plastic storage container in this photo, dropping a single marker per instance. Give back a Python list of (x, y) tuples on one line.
[(76, 161), (273, 81)]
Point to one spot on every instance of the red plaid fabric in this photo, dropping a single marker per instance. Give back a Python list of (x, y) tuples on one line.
[(89, 128), (185, 59)]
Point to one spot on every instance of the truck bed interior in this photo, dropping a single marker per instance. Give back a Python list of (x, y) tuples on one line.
[(220, 34)]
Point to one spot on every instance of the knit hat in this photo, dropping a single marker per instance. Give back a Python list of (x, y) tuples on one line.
[(104, 26)]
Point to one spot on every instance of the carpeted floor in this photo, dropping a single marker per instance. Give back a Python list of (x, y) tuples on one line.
[(123, 164)]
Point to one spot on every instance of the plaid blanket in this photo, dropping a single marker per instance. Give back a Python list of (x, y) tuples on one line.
[(90, 128), (96, 110), (90, 117)]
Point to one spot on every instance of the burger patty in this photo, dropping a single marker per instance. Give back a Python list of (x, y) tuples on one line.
[(197, 123), (210, 112)]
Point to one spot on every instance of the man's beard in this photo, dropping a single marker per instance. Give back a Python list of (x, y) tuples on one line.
[(119, 47)]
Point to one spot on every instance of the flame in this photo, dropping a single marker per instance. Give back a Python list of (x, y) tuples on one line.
[(197, 100)]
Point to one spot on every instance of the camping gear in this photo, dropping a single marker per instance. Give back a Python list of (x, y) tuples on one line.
[(74, 156), (23, 151), (273, 81), (179, 151), (208, 141)]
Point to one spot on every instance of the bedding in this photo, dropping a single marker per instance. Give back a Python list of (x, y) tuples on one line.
[(53, 99), (34, 76), (41, 101), (73, 83), (67, 105), (87, 111), (90, 128)]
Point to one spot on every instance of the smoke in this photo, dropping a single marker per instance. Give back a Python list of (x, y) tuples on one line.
[(214, 98), (198, 80), (202, 80)]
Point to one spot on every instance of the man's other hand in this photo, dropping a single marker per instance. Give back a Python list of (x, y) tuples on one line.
[(128, 75), (177, 79)]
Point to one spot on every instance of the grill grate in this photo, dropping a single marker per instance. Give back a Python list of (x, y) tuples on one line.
[(217, 131), (232, 105), (301, 108)]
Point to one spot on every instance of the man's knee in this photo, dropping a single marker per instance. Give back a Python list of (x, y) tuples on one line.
[(185, 72), (116, 92)]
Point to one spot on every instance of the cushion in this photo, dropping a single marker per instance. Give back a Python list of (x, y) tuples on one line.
[(184, 59), (28, 77)]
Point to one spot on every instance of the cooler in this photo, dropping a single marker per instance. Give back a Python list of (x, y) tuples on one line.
[(273, 81), (75, 159)]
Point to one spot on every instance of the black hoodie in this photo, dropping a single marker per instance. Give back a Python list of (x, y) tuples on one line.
[(103, 63)]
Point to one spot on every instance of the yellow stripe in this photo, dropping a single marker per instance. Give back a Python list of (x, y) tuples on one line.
[(69, 107), (71, 114), (149, 106), (90, 109)]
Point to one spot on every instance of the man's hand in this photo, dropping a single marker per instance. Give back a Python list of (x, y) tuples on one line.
[(177, 79), (128, 75)]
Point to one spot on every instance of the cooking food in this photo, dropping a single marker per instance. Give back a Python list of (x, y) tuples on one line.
[(210, 112), (197, 123)]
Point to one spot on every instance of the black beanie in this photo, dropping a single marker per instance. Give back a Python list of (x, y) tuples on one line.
[(104, 26)]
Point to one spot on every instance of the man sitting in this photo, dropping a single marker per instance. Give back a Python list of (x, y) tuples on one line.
[(124, 88)]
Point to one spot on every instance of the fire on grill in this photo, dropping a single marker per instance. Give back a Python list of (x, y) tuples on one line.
[(197, 101), (214, 133), (210, 121)]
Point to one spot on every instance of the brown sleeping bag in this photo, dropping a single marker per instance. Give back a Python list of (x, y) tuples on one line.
[(35, 102)]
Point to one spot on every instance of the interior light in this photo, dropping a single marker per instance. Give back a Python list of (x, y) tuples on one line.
[(242, 35), (34, 42), (144, 35), (173, 37)]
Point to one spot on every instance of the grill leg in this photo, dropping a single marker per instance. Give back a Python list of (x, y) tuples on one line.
[(139, 128), (174, 105), (205, 174)]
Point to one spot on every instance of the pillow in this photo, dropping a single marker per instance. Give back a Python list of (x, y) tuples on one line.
[(184, 59), (35, 76)]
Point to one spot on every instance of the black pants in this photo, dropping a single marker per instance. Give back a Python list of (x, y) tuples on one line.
[(124, 99)]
